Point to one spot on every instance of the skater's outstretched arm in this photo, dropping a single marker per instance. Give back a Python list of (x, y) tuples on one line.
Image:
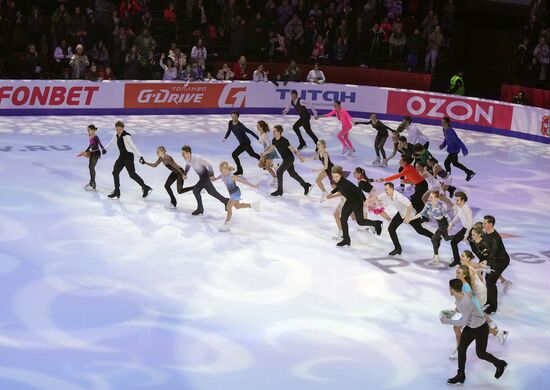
[(153, 165), (243, 180)]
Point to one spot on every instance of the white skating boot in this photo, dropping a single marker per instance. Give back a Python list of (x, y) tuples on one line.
[(454, 355), (170, 206), (339, 235), (225, 227), (434, 260), (255, 206), (377, 161)]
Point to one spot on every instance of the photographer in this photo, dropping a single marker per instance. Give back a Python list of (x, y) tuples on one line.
[(520, 98)]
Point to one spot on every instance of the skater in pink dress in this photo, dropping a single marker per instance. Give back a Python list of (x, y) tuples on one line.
[(347, 123)]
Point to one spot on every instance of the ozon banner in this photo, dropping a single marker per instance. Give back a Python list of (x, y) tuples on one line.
[(474, 112), (51, 95), (184, 95)]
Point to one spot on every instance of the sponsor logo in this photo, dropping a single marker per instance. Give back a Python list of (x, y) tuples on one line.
[(316, 95), (171, 95), (470, 111), (233, 97), (40, 95)]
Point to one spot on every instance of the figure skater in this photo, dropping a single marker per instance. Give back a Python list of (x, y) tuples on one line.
[(324, 172), (371, 204), (443, 177), (475, 328), (435, 209), (454, 145), (301, 108), (127, 149), (239, 130), (463, 213), (353, 204), (433, 184), (287, 152), (266, 160), (379, 140), (414, 134), (230, 182), (93, 153), (203, 169), (177, 175), (347, 122)]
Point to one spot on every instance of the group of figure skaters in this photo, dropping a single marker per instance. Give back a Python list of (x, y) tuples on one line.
[(475, 286)]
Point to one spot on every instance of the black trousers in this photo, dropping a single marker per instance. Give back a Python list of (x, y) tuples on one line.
[(288, 165), (452, 158), (396, 221), (416, 198), (206, 183), (442, 226), (357, 209), (305, 123), (491, 282), (94, 158), (126, 161), (178, 178), (245, 147), (379, 142), (459, 236), (480, 335)]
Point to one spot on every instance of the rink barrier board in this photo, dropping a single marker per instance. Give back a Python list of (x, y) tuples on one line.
[(154, 98)]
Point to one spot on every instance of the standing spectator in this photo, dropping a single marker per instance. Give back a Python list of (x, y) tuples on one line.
[(316, 75), (78, 26), (188, 74), (256, 34), (375, 39), (522, 59), (318, 52), (133, 64), (435, 40), (170, 71), (236, 44), (239, 69), (121, 44), (32, 65), (79, 62), (200, 18), (294, 33), (99, 54), (260, 74), (276, 46), (171, 20), (542, 54), (145, 43), (339, 51), (397, 44), (198, 52), (387, 29), (60, 23), (342, 31), (292, 72), (178, 58), (414, 49), (62, 56), (225, 73), (394, 8), (448, 18), (429, 24), (284, 13), (19, 38), (35, 26)]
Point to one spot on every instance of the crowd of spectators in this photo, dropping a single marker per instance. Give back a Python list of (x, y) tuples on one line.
[(103, 39), (532, 57)]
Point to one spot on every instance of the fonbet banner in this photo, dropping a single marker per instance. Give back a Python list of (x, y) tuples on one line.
[(26, 97)]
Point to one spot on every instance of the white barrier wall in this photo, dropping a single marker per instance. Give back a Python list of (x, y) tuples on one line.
[(24, 97)]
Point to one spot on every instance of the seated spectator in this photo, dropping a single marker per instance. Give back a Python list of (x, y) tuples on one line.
[(414, 49), (32, 65), (93, 73), (209, 78), (133, 63), (105, 74), (239, 69), (178, 58), (318, 52), (260, 74), (145, 44), (316, 75), (339, 51), (99, 54), (198, 52), (62, 55), (188, 74), (520, 98), (225, 73), (170, 71), (397, 43), (198, 70), (79, 62)]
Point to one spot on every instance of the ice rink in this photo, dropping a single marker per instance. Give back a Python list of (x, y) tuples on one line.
[(124, 294)]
